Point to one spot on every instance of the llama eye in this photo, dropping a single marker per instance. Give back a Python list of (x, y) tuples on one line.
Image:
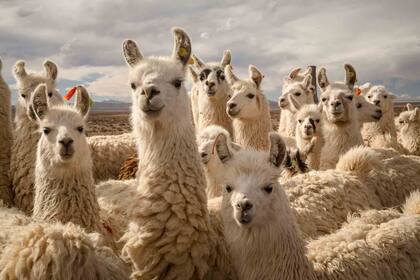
[(50, 94), (317, 120), (228, 188), (369, 96), (250, 95), (385, 96), (80, 129), (177, 83), (46, 130), (401, 122), (359, 105), (300, 121), (23, 95), (133, 86), (268, 189), (350, 97), (324, 99), (297, 94)]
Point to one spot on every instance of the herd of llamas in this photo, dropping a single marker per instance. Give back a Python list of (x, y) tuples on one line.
[(203, 188)]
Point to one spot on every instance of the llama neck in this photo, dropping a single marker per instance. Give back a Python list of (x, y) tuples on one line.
[(386, 125), (213, 112), (313, 159), (276, 249), (6, 141), (253, 133), (287, 123), (66, 194)]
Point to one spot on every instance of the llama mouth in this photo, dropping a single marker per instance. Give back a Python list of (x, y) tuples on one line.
[(211, 93), (233, 113), (151, 111), (66, 155)]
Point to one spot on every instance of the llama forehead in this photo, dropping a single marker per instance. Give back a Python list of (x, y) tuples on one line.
[(157, 68), (63, 116), (377, 91), (291, 87), (243, 87), (337, 91)]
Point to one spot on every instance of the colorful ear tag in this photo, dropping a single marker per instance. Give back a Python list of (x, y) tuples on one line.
[(357, 91), (70, 93)]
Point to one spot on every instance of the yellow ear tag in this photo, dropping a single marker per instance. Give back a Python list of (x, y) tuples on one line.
[(90, 102), (190, 61), (182, 52)]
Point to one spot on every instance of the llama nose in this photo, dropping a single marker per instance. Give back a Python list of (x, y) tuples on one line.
[(203, 154), (210, 84), (377, 102), (150, 92), (231, 105), (282, 99), (66, 142), (308, 126), (336, 103), (244, 205)]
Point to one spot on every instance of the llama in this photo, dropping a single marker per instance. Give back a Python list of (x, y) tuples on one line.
[(299, 86), (59, 146), (22, 162), (341, 127), (214, 146), (382, 98), (211, 93), (409, 126), (257, 215), (6, 141), (249, 110), (170, 235)]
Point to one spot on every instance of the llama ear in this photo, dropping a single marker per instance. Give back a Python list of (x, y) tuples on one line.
[(51, 69), (131, 53), (230, 77), (350, 75), (182, 46), (409, 107), (82, 100), (19, 70), (226, 59), (255, 75), (194, 75), (322, 79), (198, 63), (221, 148), (306, 82), (415, 115), (39, 103), (365, 88), (293, 74), (277, 149)]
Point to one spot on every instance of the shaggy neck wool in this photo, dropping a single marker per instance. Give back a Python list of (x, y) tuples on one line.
[(287, 123), (254, 133), (213, 112), (66, 196), (313, 159), (385, 125)]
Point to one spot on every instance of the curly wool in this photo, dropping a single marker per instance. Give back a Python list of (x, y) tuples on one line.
[(6, 141), (56, 251), (129, 168)]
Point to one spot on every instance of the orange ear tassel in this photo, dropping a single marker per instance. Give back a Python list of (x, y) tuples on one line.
[(357, 91), (70, 93)]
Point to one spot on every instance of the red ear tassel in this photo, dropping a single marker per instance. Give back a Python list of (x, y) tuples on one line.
[(70, 93), (357, 92)]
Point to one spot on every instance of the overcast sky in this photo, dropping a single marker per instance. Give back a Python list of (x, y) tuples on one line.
[(380, 38)]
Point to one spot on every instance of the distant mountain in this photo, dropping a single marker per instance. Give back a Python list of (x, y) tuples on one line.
[(111, 106), (273, 105)]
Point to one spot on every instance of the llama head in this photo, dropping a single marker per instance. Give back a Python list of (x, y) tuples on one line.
[(379, 96), (247, 101), (308, 120), (28, 81), (62, 142), (338, 97), (210, 77), (251, 187), (297, 86), (295, 161), (158, 92), (409, 119), (366, 111)]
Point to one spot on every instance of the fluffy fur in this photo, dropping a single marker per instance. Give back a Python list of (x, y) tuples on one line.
[(170, 235), (210, 93), (249, 109), (6, 141), (257, 215), (409, 124)]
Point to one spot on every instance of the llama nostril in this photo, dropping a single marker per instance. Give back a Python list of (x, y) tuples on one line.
[(377, 102), (203, 155), (247, 205), (232, 105), (66, 142)]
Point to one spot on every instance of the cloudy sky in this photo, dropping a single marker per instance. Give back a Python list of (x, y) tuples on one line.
[(381, 38)]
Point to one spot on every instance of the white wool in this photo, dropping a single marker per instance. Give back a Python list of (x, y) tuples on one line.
[(409, 128), (6, 140)]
